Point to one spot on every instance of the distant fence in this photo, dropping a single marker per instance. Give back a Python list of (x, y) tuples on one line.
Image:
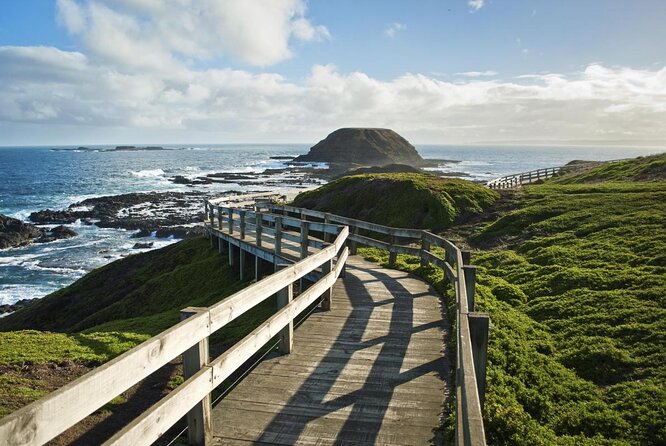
[(517, 180)]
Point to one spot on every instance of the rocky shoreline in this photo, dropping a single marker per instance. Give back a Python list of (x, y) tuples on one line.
[(15, 233), (163, 214)]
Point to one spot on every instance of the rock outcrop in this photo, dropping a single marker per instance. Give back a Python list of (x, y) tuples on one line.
[(15, 233), (365, 147)]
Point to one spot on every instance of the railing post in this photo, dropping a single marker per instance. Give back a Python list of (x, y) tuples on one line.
[(327, 221), (258, 228), (393, 255), (326, 300), (425, 246), (466, 256), (198, 419), (278, 236), (242, 224), (284, 297), (353, 244), (479, 325), (232, 256), (470, 285), (241, 265), (304, 239), (231, 221), (219, 218)]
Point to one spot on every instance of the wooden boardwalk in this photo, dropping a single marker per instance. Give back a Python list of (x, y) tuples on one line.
[(373, 370)]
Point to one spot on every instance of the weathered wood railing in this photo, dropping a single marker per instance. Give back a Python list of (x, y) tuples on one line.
[(517, 180), (471, 327), (46, 418)]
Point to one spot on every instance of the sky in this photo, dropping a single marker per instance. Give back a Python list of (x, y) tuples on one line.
[(292, 71)]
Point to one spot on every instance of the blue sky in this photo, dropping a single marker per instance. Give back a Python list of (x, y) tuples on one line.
[(454, 71)]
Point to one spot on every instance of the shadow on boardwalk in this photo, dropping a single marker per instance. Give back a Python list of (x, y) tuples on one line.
[(372, 371)]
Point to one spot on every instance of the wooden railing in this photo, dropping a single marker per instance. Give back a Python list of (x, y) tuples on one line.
[(46, 418), (517, 180), (471, 327)]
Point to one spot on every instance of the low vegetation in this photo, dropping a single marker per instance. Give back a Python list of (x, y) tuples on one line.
[(405, 200), (574, 279)]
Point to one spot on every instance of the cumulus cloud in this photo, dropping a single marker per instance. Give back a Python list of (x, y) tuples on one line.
[(47, 86), (162, 34), (475, 5), (487, 73), (394, 28)]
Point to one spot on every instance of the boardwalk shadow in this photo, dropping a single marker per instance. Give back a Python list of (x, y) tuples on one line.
[(370, 396)]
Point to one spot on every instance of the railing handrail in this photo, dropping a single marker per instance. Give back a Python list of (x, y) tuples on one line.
[(47, 417)]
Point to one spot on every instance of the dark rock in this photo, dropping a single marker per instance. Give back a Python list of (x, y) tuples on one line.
[(15, 233), (364, 146), (10, 308), (57, 233), (179, 179), (282, 157), (145, 245), (134, 148), (48, 216)]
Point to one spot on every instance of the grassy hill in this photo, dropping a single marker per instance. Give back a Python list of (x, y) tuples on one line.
[(406, 200), (574, 278)]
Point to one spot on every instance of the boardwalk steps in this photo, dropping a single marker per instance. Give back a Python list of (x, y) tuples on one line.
[(368, 366)]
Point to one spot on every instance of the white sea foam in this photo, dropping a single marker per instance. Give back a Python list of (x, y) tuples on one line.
[(148, 173)]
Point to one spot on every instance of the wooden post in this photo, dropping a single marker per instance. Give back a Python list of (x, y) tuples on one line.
[(258, 227), (199, 430), (241, 265), (219, 218), (353, 245), (284, 297), (278, 236), (393, 255), (466, 256), (425, 246), (479, 325), (231, 221), (327, 236), (304, 239), (470, 285), (232, 257), (221, 244), (242, 224), (257, 268), (326, 297)]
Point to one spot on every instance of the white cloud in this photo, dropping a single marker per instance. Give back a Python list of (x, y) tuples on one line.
[(53, 88), (394, 28), (487, 73), (475, 5), (162, 34)]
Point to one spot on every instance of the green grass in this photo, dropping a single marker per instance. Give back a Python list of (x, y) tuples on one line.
[(406, 200), (648, 168), (576, 289)]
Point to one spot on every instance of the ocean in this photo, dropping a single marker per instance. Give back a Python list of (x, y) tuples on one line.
[(36, 178)]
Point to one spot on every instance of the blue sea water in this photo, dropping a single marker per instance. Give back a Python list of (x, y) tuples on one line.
[(35, 178)]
